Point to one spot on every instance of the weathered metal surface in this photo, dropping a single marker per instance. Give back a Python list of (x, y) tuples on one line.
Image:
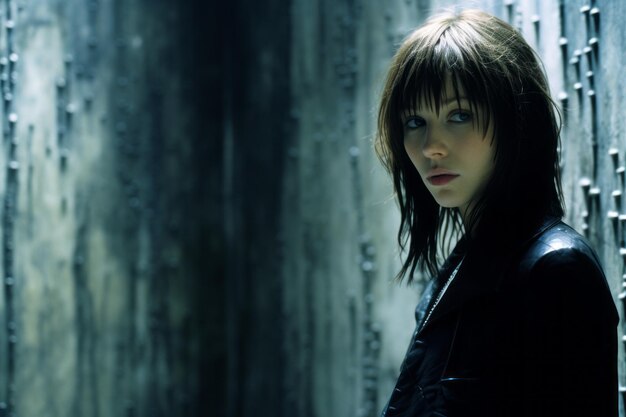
[(105, 209), (314, 325)]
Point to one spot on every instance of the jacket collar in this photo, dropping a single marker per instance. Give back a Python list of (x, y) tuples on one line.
[(481, 272)]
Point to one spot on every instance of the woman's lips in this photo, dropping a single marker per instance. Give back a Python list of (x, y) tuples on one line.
[(440, 176), (441, 179)]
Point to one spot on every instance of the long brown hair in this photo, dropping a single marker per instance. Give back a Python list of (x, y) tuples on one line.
[(500, 73)]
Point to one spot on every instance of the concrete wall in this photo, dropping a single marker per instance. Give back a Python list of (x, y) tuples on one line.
[(307, 319), (217, 162), (105, 224)]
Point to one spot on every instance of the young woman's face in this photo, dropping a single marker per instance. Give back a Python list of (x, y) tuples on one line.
[(453, 156)]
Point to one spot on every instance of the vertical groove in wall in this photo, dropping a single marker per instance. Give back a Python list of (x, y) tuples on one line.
[(367, 402), (7, 84), (231, 266)]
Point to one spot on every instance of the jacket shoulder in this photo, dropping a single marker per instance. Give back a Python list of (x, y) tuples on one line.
[(560, 264), (559, 243)]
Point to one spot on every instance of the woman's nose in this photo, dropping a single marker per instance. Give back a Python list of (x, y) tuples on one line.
[(434, 144)]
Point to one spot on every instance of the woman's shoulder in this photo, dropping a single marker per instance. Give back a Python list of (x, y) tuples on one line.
[(559, 263), (558, 245), (558, 271)]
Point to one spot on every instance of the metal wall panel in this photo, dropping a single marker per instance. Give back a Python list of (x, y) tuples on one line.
[(104, 209), (313, 324)]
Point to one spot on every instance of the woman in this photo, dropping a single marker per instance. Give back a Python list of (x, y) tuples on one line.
[(519, 320)]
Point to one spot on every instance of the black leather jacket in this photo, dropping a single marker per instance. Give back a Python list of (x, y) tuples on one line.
[(532, 333)]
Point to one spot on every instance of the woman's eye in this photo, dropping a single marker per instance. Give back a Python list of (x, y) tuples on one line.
[(413, 123), (460, 116)]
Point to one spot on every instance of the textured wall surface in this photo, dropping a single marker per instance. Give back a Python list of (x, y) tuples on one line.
[(105, 225), (313, 324)]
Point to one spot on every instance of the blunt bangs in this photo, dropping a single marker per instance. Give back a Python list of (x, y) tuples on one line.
[(429, 62)]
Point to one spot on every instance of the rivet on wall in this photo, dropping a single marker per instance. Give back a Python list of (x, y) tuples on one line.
[(576, 62), (588, 53), (622, 222), (595, 16), (594, 131), (585, 224), (584, 10), (585, 185), (563, 43), (617, 203), (617, 199), (519, 19), (622, 298), (594, 44), (619, 171), (564, 100), (594, 200), (536, 21), (613, 217), (614, 154), (590, 79), (578, 86), (622, 237), (562, 19), (510, 10)]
